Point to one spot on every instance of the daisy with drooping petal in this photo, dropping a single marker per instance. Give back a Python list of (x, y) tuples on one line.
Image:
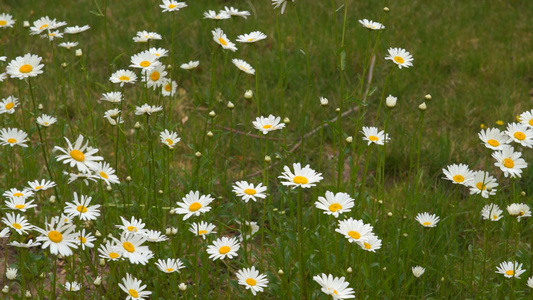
[(123, 76), (134, 288), (134, 226), (172, 5), (335, 287), (400, 57), (519, 133), (155, 236), (252, 280), (113, 97), (17, 194), (72, 286), (145, 36), (202, 229), (133, 249), (104, 171), (510, 269), (193, 204), (8, 105), (243, 66), (458, 174), (211, 14), (146, 109), (169, 88), (85, 239), (282, 3), (335, 204), (190, 65), (248, 191), (17, 222), (46, 120), (235, 12), (482, 183), (68, 45), (79, 155), (220, 38), (427, 220), (12, 137), (82, 209), (372, 244), (372, 135), (43, 185), (302, 177), (77, 29), (6, 20), (493, 138), (170, 265), (59, 236), (266, 125), (29, 244), (491, 212), (519, 210), (223, 247), (354, 230), (509, 162), (25, 66), (169, 138), (418, 271), (251, 37), (110, 251), (20, 204), (371, 24), (85, 176)]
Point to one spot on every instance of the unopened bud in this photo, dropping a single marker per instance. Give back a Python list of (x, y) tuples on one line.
[(79, 53), (108, 188), (26, 24), (212, 114), (337, 109), (384, 269), (174, 230), (64, 65), (389, 214), (198, 154), (210, 134), (391, 101), (5, 290), (172, 211), (42, 275), (52, 199), (522, 193), (267, 158), (349, 140), (40, 107), (168, 231), (169, 66), (323, 101), (385, 9), (28, 294), (248, 94), (182, 287), (428, 97), (280, 272), (380, 201), (442, 279), (405, 235), (422, 106), (98, 281), (102, 262), (97, 233), (349, 270), (137, 125), (286, 120), (128, 178), (231, 105)]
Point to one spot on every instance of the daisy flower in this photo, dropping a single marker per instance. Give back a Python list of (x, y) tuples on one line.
[(354, 230), (79, 155), (6, 21), (123, 76), (81, 208), (112, 113), (252, 280), (335, 204), (59, 236), (248, 229), (20, 204), (193, 204), (43, 185), (372, 244), (8, 105), (509, 162), (134, 226), (104, 171), (72, 286), (482, 183), (134, 288), (220, 38), (304, 178), (282, 3), (145, 36), (169, 138), (266, 125), (519, 133), (400, 57), (519, 210), (158, 52), (491, 212), (113, 97), (68, 45), (510, 269), (171, 5), (85, 239), (248, 191), (144, 60), (493, 138), (190, 65), (51, 35), (12, 137), (25, 66), (29, 244), (335, 287), (155, 236), (243, 66), (251, 37), (110, 251), (458, 174), (371, 24), (11, 273), (147, 109), (211, 14), (202, 229), (372, 135), (17, 222), (17, 194), (526, 118), (46, 120), (85, 176), (169, 88), (418, 271), (133, 249), (170, 265), (223, 247), (427, 220), (235, 12), (45, 23), (77, 29)]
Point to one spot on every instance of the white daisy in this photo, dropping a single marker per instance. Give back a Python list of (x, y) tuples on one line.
[(20, 204), (194, 204), (85, 176), (372, 135), (12, 137), (282, 3), (123, 76), (134, 226), (51, 35), (172, 5), (29, 244), (302, 177), (202, 229), (45, 23), (85, 239), (134, 288), (144, 60), (520, 134), (104, 172), (427, 220), (371, 24), (43, 185), (418, 271), (458, 174), (251, 37), (266, 125), (335, 287), (6, 20), (248, 191), (169, 138), (68, 45), (190, 65), (220, 38), (354, 230), (491, 212), (25, 66), (372, 244), (211, 14), (235, 12), (14, 193), (158, 52), (8, 105), (110, 251), (146, 109), (169, 88), (155, 77), (17, 222), (145, 36), (72, 286), (526, 118), (170, 265), (493, 138), (243, 66), (76, 29), (79, 155), (113, 97), (519, 210), (154, 236), (46, 120), (59, 236), (223, 247), (335, 204), (509, 162), (400, 57), (82, 209), (252, 280), (482, 183), (510, 269), (133, 249)]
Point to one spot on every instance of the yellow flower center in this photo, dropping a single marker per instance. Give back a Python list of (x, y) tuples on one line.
[(251, 281), (222, 41), (132, 228), (399, 59), (46, 123), (251, 40), (172, 6), (509, 272), (224, 249), (195, 206), (170, 269), (243, 68), (43, 26), (521, 213), (18, 194), (426, 223), (25, 69), (494, 217), (113, 255), (104, 175), (169, 142), (367, 245), (133, 293), (145, 63), (124, 78), (16, 225), (458, 178), (493, 143), (155, 76), (11, 140), (499, 122), (519, 136), (335, 292), (77, 155), (334, 207), (20, 206), (82, 239), (481, 186), (128, 247), (168, 87), (531, 122), (38, 187), (250, 191), (508, 163), (10, 105), (268, 126), (55, 236), (3, 23), (354, 234), (373, 138), (300, 180), (202, 232), (81, 209)]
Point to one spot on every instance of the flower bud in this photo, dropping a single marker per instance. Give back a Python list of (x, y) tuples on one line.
[(389, 214), (337, 109), (40, 107), (174, 230), (391, 101), (405, 235), (280, 272), (52, 199), (231, 105), (28, 294), (102, 262), (523, 193), (210, 134), (286, 120), (248, 94), (11, 273), (385, 9), (137, 125), (5, 290), (64, 65), (267, 158), (428, 97), (384, 269), (349, 270), (168, 231), (98, 281), (172, 211), (79, 53), (422, 106), (108, 188), (212, 114), (97, 234), (349, 140), (128, 178), (323, 101), (26, 24), (182, 287), (198, 154), (42, 275)]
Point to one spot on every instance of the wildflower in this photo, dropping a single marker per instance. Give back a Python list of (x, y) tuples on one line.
[(372, 135), (493, 138), (144, 60), (76, 29), (8, 105), (194, 204), (25, 66), (482, 183), (458, 174), (113, 97), (400, 57), (145, 36), (82, 209), (6, 20), (211, 14), (171, 5), (79, 155), (12, 137), (190, 65), (519, 210), (391, 101), (371, 24), (43, 185), (427, 220), (248, 191), (45, 23), (11, 273), (251, 279), (134, 226), (509, 162), (268, 124), (220, 38), (18, 194), (282, 3), (335, 287), (304, 178), (235, 12), (354, 230), (68, 45), (46, 120), (155, 77), (85, 176), (110, 251), (72, 286), (248, 229), (17, 222), (223, 247), (499, 122), (251, 37), (170, 265), (59, 236), (133, 249), (521, 134), (372, 244), (510, 269), (20, 204), (324, 101), (169, 138), (243, 66), (530, 282), (526, 118), (155, 236), (202, 229), (29, 244), (85, 239), (123, 76), (4, 233), (104, 171), (491, 212), (158, 52), (132, 286), (335, 204), (169, 88), (147, 109), (51, 35), (418, 271)]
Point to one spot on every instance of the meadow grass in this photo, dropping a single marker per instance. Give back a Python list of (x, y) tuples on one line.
[(473, 58)]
